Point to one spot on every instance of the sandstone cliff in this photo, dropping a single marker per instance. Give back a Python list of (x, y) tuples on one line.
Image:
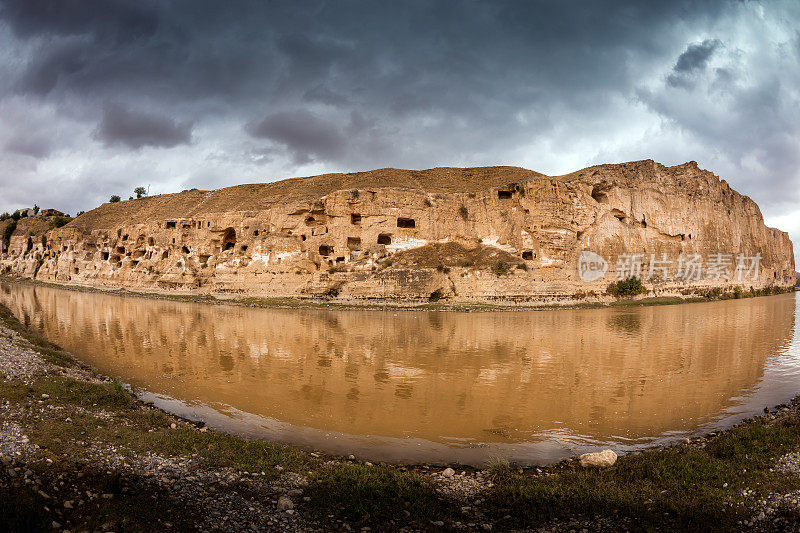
[(464, 234)]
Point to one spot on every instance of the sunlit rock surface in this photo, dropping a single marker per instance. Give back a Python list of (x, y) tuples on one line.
[(459, 234)]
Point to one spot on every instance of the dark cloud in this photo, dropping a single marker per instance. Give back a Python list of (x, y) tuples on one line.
[(697, 55), (105, 19), (45, 71), (35, 147), (320, 93), (691, 61), (352, 85), (137, 129), (304, 134)]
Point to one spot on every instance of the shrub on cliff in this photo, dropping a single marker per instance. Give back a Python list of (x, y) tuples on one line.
[(626, 287), (501, 268), (59, 221), (114, 198), (8, 232)]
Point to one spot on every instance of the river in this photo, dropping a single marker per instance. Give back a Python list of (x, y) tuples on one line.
[(412, 385)]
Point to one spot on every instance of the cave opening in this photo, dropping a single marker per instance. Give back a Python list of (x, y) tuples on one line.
[(406, 223), (228, 239), (599, 195), (354, 243), (384, 238)]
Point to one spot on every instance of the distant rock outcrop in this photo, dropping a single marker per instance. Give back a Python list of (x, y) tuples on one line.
[(463, 234)]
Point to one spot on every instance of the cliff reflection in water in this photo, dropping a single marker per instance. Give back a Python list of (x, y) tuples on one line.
[(445, 377)]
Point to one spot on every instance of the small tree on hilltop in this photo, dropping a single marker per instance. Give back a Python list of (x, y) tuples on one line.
[(140, 191), (114, 198), (35, 209)]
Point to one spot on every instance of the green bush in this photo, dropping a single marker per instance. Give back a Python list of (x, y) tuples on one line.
[(59, 221), (501, 268), (114, 198), (8, 232), (626, 287)]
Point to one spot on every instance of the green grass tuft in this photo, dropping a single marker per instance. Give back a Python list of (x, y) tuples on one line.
[(373, 494)]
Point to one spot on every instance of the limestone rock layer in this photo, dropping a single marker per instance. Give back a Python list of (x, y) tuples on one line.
[(459, 234)]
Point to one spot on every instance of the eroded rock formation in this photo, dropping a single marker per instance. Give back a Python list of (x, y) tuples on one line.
[(473, 233)]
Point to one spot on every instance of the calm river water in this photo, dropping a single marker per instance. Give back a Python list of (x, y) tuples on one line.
[(533, 386)]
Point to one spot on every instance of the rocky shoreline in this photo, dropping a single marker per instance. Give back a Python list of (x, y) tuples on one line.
[(596, 302), (79, 453)]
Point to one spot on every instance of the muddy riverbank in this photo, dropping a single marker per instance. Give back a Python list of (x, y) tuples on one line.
[(579, 301)]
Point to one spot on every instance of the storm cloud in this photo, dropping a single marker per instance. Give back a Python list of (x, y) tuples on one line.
[(136, 129), (101, 96), (304, 135)]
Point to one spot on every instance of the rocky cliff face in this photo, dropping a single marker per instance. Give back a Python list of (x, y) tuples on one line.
[(465, 234)]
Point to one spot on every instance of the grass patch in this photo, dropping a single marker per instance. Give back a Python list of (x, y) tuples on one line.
[(379, 495), (131, 427), (679, 488)]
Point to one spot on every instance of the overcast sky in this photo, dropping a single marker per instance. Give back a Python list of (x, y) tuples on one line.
[(100, 96)]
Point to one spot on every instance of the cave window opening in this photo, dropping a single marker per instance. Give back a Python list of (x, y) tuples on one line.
[(229, 239), (171, 224), (384, 238), (527, 255), (185, 249), (406, 223), (255, 233), (599, 195), (104, 255), (619, 215), (504, 195), (325, 250), (354, 243), (355, 219)]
